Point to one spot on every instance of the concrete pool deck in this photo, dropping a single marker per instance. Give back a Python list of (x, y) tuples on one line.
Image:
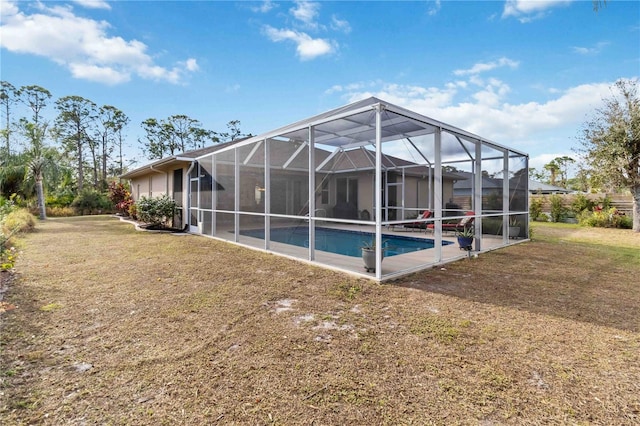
[(393, 266)]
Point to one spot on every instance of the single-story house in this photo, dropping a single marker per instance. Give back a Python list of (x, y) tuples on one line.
[(536, 187), (355, 173)]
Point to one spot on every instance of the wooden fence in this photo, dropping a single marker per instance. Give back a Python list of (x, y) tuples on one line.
[(624, 203)]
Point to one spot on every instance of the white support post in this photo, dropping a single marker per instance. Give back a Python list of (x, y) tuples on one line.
[(236, 191), (477, 196), (312, 196), (378, 188), (505, 198), (526, 191), (214, 196), (267, 194), (437, 195)]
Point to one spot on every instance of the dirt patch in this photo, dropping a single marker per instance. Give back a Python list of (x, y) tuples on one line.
[(117, 326)]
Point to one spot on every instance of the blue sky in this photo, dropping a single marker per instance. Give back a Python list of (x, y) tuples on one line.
[(525, 74)]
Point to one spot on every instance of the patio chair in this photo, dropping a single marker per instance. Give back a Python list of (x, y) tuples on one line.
[(464, 223), (419, 225)]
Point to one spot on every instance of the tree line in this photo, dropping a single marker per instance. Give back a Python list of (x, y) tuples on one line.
[(83, 147)]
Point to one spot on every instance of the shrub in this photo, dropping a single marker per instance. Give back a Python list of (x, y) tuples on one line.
[(605, 218), (133, 211), (7, 254), (558, 210), (91, 201), (12, 221), (59, 200), (535, 208), (156, 211), (543, 217), (19, 220), (6, 207), (60, 211), (120, 197), (605, 202), (581, 203)]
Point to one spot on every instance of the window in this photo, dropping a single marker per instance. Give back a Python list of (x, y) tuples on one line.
[(347, 190), (177, 187), (325, 192)]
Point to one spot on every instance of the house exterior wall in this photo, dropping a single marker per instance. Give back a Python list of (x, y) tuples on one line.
[(155, 183)]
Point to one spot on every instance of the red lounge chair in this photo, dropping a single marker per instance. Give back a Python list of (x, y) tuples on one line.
[(465, 222), (420, 225)]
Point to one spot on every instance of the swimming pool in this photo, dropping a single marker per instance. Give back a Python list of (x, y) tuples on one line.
[(342, 241)]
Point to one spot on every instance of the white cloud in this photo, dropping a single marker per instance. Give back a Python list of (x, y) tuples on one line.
[(306, 47), (483, 67), (486, 113), (93, 4), (434, 7), (264, 7), (82, 45), (98, 74), (306, 12), (529, 10), (191, 64), (590, 50), (340, 25)]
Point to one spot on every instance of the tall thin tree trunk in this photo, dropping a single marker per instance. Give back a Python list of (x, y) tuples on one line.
[(104, 160), (120, 149), (40, 196), (94, 160), (80, 168), (635, 193)]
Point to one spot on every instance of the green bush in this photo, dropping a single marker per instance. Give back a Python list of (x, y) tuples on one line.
[(59, 200), (543, 217), (535, 208), (605, 218), (133, 211), (156, 211), (558, 210), (6, 207), (605, 202), (12, 221), (581, 203), (91, 201)]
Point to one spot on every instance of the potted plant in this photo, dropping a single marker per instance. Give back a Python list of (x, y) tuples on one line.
[(465, 238), (514, 228), (369, 254)]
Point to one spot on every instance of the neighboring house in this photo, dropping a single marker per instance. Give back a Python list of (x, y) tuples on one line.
[(536, 187), (369, 164), (492, 191)]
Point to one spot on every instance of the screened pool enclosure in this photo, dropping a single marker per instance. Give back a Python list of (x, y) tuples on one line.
[(363, 173)]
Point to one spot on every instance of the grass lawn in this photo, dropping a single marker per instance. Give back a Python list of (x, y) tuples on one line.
[(114, 326)]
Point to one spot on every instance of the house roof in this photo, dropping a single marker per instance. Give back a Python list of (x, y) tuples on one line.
[(536, 187), (185, 157)]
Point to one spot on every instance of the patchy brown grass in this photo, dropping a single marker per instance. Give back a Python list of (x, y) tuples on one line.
[(114, 326)]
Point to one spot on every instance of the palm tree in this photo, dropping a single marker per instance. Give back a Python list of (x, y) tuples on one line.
[(36, 158), (553, 169)]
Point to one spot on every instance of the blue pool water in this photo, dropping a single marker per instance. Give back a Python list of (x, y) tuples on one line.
[(342, 241)]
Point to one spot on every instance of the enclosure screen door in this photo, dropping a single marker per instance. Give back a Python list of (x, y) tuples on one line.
[(193, 204)]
